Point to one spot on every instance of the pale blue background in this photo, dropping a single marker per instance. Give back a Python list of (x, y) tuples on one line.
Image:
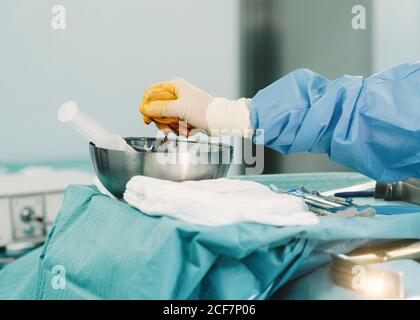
[(109, 53)]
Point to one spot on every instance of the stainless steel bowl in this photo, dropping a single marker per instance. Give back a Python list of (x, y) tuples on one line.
[(164, 159)]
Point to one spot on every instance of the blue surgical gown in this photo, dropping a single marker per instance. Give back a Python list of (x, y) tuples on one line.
[(371, 125)]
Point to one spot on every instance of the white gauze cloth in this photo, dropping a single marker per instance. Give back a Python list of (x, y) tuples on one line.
[(217, 202)]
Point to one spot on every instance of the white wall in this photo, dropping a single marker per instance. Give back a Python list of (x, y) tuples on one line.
[(109, 53), (396, 32)]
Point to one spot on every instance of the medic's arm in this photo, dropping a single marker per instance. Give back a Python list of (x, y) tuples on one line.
[(371, 125)]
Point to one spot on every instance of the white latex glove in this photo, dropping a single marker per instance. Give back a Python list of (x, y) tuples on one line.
[(168, 102)]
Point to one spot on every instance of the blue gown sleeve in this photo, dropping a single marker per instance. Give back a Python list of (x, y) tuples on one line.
[(371, 125)]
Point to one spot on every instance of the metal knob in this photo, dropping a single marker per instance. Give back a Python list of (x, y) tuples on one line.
[(27, 214), (29, 230)]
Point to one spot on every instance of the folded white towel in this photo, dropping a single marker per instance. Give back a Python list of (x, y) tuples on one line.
[(217, 202)]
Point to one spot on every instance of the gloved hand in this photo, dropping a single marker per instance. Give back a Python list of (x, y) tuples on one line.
[(170, 102)]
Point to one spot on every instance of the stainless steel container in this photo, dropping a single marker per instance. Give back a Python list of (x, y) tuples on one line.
[(174, 160)]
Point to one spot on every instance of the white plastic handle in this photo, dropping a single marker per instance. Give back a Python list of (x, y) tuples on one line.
[(93, 132)]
